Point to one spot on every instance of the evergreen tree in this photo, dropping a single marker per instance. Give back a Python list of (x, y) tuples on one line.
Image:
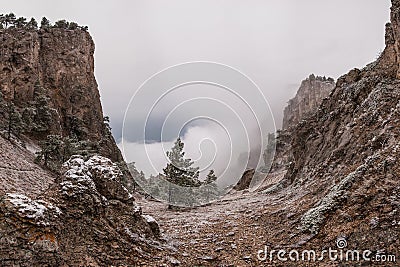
[(13, 120), (2, 21), (62, 24), (2, 105), (180, 172), (52, 148), (73, 26), (77, 127), (211, 177), (9, 19), (106, 121), (32, 24), (20, 22), (69, 148), (43, 114), (210, 186), (37, 117), (45, 23)]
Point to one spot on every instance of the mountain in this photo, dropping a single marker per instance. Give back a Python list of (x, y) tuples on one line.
[(54, 67), (337, 168), (79, 213), (334, 181)]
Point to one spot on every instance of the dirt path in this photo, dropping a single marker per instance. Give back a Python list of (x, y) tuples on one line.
[(226, 233)]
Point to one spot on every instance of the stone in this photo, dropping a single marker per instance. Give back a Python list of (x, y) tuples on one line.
[(309, 96), (62, 62)]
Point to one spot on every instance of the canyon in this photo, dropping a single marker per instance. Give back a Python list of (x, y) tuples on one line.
[(334, 176)]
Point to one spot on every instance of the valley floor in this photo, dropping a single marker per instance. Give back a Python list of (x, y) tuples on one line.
[(229, 232)]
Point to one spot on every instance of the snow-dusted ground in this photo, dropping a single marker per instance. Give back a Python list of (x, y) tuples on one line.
[(226, 232), (19, 173)]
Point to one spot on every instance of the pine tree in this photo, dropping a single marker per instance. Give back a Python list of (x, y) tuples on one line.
[(73, 26), (9, 19), (13, 120), (180, 172), (20, 22), (106, 121), (2, 21), (210, 186), (69, 148), (211, 178), (45, 23), (32, 24), (2, 105), (52, 148), (43, 113), (62, 24)]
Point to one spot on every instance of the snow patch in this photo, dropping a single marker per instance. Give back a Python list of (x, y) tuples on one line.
[(32, 209), (149, 219), (27, 206)]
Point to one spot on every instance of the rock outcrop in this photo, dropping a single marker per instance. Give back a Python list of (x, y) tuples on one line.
[(307, 99), (342, 179), (245, 181), (278, 154), (84, 216), (58, 64), (87, 218)]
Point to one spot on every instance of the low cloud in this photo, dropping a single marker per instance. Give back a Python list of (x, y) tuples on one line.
[(209, 146)]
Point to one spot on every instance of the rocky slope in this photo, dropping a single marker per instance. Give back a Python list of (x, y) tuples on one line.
[(278, 153), (58, 64), (83, 216), (341, 180), (87, 218), (344, 172), (19, 173)]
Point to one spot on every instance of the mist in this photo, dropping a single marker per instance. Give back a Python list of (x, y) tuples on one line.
[(275, 43)]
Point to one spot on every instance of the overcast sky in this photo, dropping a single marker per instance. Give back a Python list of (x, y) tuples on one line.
[(277, 43)]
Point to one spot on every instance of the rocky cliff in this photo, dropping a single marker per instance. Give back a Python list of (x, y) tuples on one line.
[(55, 64), (278, 153), (86, 218), (308, 97), (343, 178), (80, 215)]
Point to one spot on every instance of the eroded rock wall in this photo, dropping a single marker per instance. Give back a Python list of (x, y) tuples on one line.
[(61, 63), (307, 99)]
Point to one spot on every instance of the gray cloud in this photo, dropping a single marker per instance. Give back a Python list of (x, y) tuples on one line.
[(276, 43)]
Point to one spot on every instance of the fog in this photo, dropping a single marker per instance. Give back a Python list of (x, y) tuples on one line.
[(276, 43)]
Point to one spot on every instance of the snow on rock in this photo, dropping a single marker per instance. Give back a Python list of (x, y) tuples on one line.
[(148, 218), (137, 210), (95, 175), (78, 171), (37, 210), (155, 228), (104, 166)]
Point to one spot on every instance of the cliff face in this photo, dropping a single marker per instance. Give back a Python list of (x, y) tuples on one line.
[(343, 172), (307, 99), (59, 64), (84, 216)]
